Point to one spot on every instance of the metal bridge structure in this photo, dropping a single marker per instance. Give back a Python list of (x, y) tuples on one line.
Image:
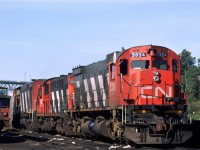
[(11, 85)]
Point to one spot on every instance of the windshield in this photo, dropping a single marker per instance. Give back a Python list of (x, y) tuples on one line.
[(160, 64), (4, 102), (140, 64), (3, 91)]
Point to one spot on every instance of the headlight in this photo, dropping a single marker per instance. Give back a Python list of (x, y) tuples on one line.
[(5, 114), (156, 78)]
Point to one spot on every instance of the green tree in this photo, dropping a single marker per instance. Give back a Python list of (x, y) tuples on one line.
[(198, 63), (192, 90), (186, 60), (195, 110), (189, 75)]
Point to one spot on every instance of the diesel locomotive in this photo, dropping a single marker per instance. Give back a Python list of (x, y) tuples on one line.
[(4, 108), (133, 94)]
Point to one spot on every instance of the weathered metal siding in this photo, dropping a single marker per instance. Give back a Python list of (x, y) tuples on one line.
[(26, 98), (91, 85), (59, 88)]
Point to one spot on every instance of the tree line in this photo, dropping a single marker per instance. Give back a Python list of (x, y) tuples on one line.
[(190, 81)]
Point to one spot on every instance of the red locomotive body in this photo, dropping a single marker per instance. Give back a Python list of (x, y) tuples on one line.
[(37, 102), (147, 82), (70, 92), (51, 103), (45, 96), (147, 75), (28, 94), (154, 74), (133, 94), (4, 108)]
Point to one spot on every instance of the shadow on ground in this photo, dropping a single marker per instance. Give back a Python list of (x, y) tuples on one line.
[(7, 137)]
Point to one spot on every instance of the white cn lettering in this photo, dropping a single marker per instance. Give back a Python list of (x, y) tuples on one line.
[(157, 89), (143, 89)]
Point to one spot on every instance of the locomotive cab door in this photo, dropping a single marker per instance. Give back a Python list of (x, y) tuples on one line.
[(112, 85), (124, 79), (118, 78)]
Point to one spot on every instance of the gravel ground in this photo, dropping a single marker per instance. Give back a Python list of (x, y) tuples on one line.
[(27, 140), (41, 141)]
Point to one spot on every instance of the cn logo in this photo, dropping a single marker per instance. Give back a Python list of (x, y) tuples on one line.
[(148, 89)]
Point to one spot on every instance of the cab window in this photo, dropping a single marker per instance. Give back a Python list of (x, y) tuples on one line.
[(124, 66), (174, 65), (40, 92), (4, 102), (140, 64), (112, 69), (3, 91), (160, 64), (46, 89)]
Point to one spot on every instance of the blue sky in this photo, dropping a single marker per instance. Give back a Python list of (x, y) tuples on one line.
[(46, 38)]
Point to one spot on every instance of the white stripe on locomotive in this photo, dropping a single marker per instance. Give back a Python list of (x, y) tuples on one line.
[(26, 100), (62, 95), (24, 106), (78, 84), (22, 102), (53, 100), (102, 89), (62, 98), (94, 90), (58, 100), (107, 75), (29, 102), (88, 94)]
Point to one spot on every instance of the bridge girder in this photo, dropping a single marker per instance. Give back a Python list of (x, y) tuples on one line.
[(11, 85)]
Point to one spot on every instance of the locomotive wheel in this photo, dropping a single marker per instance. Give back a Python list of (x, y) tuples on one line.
[(115, 129), (59, 127)]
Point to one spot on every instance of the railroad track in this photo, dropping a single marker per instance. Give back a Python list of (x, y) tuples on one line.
[(57, 142), (183, 148), (167, 147), (52, 142), (25, 141)]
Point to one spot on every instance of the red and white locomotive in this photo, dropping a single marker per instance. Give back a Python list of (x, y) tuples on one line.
[(133, 94), (4, 108)]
